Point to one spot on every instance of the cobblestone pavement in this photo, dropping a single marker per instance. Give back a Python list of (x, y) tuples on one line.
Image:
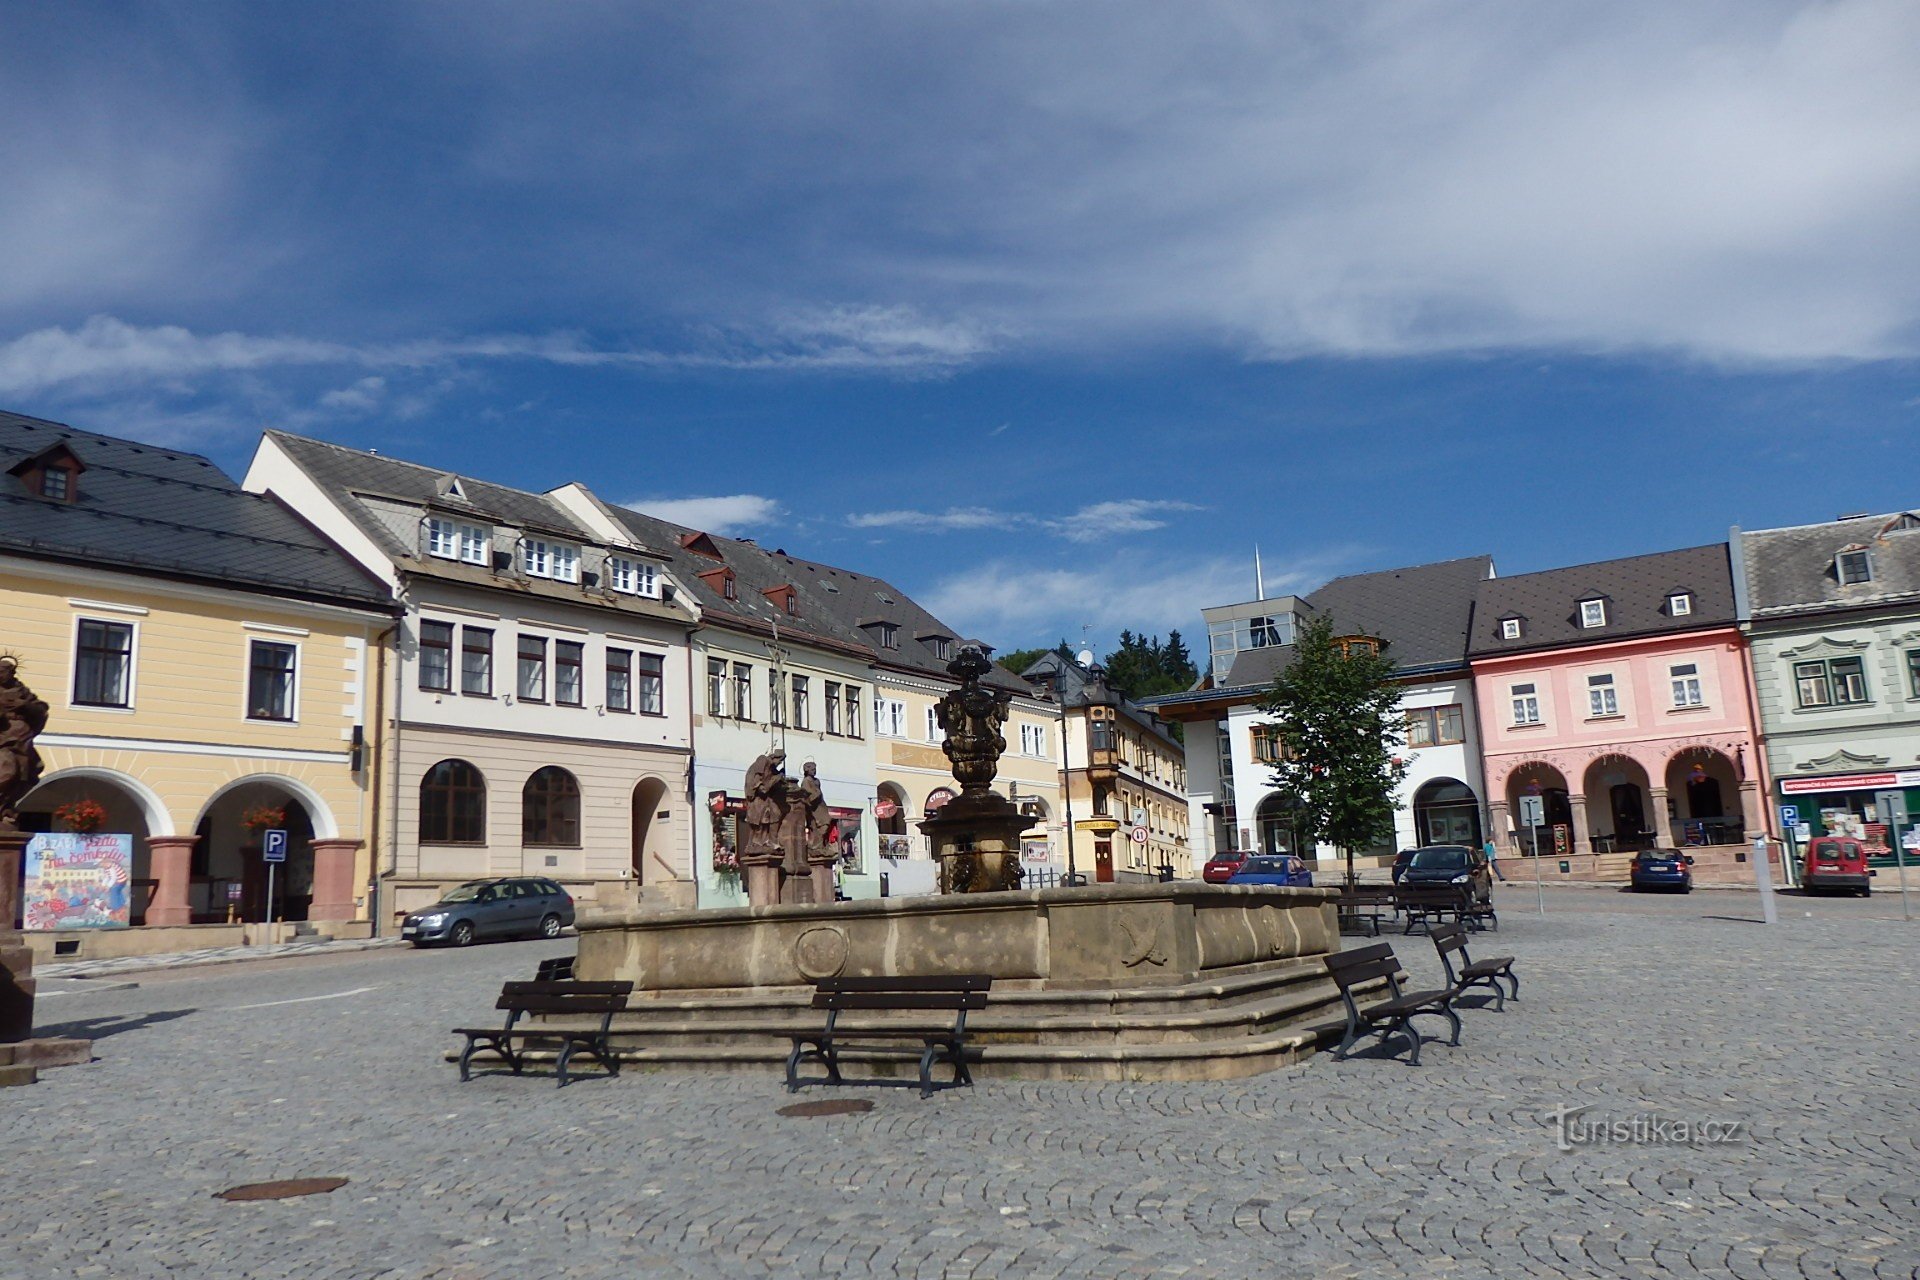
[(1673, 1008)]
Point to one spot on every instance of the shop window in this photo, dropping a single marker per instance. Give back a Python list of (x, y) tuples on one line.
[(453, 804), (550, 809)]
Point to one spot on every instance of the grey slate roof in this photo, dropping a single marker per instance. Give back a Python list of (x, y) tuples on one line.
[(386, 499), (1635, 589), (171, 514), (1422, 611), (1791, 571), (832, 602), (1068, 681)]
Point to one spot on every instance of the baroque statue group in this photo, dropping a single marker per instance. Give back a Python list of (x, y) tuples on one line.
[(789, 854)]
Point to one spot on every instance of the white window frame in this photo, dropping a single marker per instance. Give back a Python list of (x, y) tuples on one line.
[(1526, 704), (622, 574), (1509, 628), (467, 543), (889, 718), (133, 665), (1680, 604), (293, 690), (1866, 567), (557, 561), (1687, 690), (933, 724), (1593, 613), (1603, 697)]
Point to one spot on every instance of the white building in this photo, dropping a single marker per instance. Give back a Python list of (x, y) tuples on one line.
[(773, 666), (535, 698), (1421, 616)]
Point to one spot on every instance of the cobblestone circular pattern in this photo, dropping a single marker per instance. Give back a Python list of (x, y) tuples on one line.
[(1363, 1168)]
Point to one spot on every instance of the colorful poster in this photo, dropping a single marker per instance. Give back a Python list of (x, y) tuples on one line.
[(77, 881), (1035, 851)]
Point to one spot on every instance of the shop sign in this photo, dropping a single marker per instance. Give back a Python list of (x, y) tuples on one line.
[(937, 799), (885, 809), (1035, 851), (77, 881), (1851, 782)]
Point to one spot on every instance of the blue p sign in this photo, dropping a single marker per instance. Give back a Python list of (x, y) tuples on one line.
[(1789, 814), (273, 846)]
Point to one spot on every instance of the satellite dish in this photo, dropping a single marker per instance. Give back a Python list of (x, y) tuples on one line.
[(1085, 657)]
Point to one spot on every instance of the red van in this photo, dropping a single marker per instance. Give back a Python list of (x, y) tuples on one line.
[(1838, 863)]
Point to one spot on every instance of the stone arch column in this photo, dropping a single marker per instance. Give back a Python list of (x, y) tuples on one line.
[(1500, 824), (333, 878), (1582, 838), (170, 859)]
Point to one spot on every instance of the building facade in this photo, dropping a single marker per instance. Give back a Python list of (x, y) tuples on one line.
[(1618, 694), (774, 668), (537, 713), (1420, 617), (1832, 612), (208, 658), (1119, 762)]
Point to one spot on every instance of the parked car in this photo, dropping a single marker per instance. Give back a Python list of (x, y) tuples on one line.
[(1449, 864), (1837, 863), (1221, 866), (1280, 869), (514, 906), (1400, 861), (1661, 869)]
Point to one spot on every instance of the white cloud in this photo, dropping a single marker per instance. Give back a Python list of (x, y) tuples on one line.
[(721, 515), (953, 518), (1014, 604), (362, 397), (106, 352), (1109, 519)]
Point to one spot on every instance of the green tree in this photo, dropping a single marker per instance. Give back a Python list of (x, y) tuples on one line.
[(1018, 660), (1336, 710)]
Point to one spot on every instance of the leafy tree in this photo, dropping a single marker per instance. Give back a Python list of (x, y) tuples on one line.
[(1143, 667), (1336, 710)]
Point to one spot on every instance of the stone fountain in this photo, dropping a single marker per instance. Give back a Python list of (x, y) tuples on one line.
[(976, 835)]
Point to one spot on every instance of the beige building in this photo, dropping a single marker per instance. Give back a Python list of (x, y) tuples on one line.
[(536, 709), (1126, 779), (206, 657)]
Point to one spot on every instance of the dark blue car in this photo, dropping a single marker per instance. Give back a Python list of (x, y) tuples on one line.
[(1662, 869), (1280, 869)]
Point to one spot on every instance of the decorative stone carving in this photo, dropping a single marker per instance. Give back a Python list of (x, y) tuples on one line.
[(820, 953), (972, 716), (1143, 942), (22, 717)]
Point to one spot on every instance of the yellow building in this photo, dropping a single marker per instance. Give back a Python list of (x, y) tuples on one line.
[(205, 655), (1126, 776)]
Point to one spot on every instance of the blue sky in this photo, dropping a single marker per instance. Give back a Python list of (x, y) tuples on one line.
[(1048, 312)]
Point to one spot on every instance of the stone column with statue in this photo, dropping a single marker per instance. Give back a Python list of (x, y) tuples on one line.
[(762, 856), (822, 853), (975, 835), (22, 717)]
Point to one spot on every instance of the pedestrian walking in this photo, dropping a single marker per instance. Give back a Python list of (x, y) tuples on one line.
[(1493, 860)]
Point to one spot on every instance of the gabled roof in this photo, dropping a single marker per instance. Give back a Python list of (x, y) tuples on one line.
[(171, 514), (1791, 570), (834, 607), (1635, 588), (1068, 680), (1422, 612), (354, 475)]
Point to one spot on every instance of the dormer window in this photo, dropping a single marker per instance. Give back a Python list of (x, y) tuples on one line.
[(53, 473), (1853, 567), (784, 597), (450, 487), (1593, 613), (1351, 645), (1510, 628), (633, 577), (457, 540), (1680, 604), (555, 560), (721, 580), (941, 646), (56, 483)]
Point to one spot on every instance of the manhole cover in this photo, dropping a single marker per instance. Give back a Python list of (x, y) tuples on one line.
[(285, 1189), (829, 1107)]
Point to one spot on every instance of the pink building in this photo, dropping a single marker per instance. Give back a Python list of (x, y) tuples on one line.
[(1618, 692)]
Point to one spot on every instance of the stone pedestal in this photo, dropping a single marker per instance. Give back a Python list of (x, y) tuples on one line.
[(171, 861), (762, 874), (333, 879), (976, 839), (820, 878)]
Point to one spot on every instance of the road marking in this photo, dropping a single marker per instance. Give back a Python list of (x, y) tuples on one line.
[(305, 999)]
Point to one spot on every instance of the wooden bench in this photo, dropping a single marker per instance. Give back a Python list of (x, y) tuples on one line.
[(957, 994), (558, 969), (1364, 906), (551, 998), (1392, 1016), (1427, 905), (1451, 939)]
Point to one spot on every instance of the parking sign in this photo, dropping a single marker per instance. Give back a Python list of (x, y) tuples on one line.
[(273, 846), (1789, 814)]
